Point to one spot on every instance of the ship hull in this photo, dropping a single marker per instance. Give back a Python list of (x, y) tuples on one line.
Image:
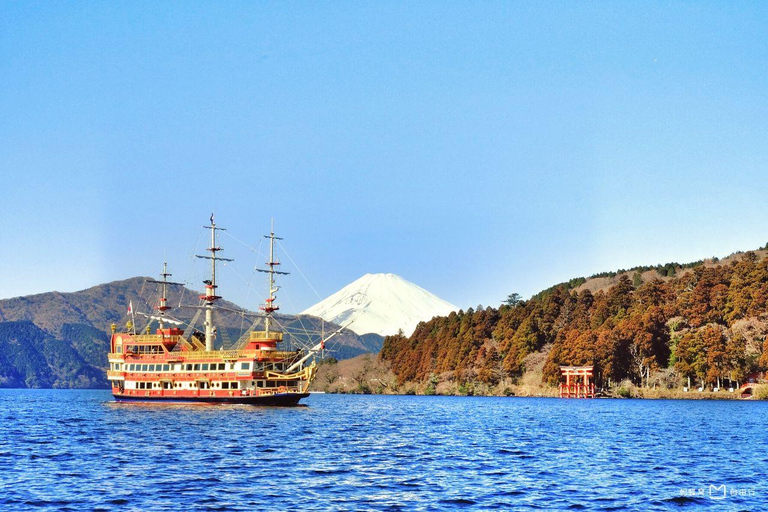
[(279, 400)]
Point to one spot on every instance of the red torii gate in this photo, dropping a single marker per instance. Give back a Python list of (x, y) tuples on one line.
[(577, 383)]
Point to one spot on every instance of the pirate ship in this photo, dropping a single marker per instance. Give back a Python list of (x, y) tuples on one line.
[(175, 365)]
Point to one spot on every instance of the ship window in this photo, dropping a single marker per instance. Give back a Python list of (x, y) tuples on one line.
[(189, 367), (197, 367), (231, 366), (205, 367), (225, 385), (166, 367), (151, 368), (144, 367), (245, 366), (222, 366), (119, 349)]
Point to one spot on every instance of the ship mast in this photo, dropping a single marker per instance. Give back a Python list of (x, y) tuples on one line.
[(210, 296), (269, 304), (163, 306)]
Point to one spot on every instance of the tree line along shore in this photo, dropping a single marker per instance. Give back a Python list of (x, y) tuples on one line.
[(695, 331)]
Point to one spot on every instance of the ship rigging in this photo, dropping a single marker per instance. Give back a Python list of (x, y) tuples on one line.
[(184, 366)]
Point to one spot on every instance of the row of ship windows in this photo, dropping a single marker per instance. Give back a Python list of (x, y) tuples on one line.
[(214, 385), (196, 367)]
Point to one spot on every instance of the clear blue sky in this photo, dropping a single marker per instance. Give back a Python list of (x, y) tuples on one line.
[(475, 148)]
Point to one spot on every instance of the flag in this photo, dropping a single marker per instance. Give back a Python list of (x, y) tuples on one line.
[(130, 308), (211, 218)]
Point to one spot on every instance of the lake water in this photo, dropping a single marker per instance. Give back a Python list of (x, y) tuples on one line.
[(77, 450)]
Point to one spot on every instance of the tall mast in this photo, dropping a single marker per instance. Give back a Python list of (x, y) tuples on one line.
[(163, 306), (269, 304), (210, 296)]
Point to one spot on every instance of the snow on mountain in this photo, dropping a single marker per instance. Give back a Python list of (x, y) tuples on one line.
[(381, 304)]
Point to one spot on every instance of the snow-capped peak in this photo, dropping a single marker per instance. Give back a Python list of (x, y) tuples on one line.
[(381, 304)]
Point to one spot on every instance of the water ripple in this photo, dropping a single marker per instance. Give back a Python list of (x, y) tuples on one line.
[(75, 450)]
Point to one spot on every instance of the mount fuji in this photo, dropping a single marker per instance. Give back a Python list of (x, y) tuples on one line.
[(381, 304)]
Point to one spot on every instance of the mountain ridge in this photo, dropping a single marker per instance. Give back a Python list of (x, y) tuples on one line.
[(61, 339)]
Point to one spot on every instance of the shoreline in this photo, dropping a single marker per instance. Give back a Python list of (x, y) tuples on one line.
[(640, 394), (652, 396)]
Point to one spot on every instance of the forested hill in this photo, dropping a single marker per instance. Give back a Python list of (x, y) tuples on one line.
[(61, 339), (706, 321)]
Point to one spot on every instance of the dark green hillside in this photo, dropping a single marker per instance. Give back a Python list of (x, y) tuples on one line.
[(30, 357)]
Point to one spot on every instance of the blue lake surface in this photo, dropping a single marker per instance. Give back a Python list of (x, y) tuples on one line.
[(79, 450)]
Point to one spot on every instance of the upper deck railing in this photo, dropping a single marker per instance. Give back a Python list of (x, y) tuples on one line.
[(153, 339), (146, 338), (220, 355)]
